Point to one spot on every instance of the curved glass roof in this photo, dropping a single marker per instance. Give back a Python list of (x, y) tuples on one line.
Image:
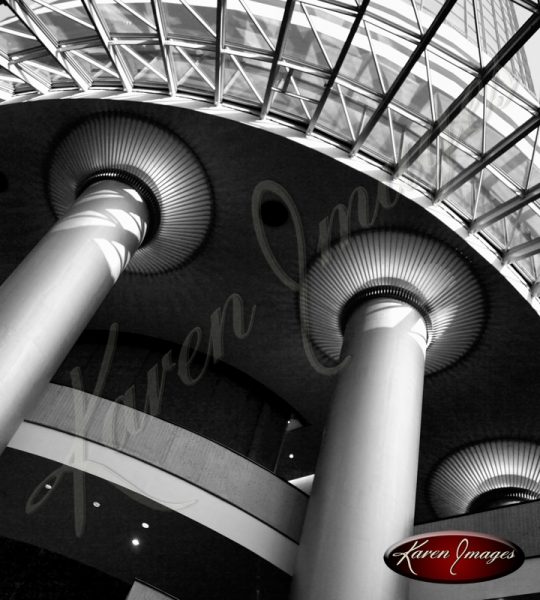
[(437, 93)]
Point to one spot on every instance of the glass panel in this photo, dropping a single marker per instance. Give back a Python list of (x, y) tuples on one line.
[(425, 167), (23, 88), (502, 30), (61, 26), (239, 83), (391, 53), (407, 132), (145, 64), (358, 109), (462, 200), (14, 36), (258, 72), (467, 127), (332, 29), (48, 70), (448, 82), (526, 268), (310, 87), (336, 120), (531, 221), (359, 66), (534, 178), (522, 73), (301, 44), (514, 163), (7, 83), (380, 139), (5, 75), (292, 107), (396, 13), (194, 70), (518, 231), (530, 66), (476, 182), (524, 227), (137, 18), (492, 193), (97, 64), (297, 83), (261, 21), (425, 16), (453, 161), (189, 23), (503, 116), (460, 21), (536, 262), (496, 234), (414, 92)]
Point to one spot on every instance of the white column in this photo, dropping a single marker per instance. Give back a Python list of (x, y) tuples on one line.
[(48, 300), (363, 496)]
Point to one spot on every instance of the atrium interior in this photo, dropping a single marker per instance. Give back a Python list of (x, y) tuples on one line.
[(269, 294)]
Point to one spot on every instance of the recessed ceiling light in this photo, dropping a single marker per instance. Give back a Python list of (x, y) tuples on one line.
[(96, 504), (145, 525), (135, 542), (48, 486), (291, 455)]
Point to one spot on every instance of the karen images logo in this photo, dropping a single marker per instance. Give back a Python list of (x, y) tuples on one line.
[(454, 557)]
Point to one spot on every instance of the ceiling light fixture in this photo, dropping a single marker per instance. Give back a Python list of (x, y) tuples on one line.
[(485, 476)]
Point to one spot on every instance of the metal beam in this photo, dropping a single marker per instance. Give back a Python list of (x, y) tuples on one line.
[(498, 150), (34, 24), (337, 67), (528, 4), (522, 251), (484, 77), (505, 209), (28, 78), (112, 51), (403, 74), (278, 53), (220, 35), (193, 67), (147, 64), (159, 17)]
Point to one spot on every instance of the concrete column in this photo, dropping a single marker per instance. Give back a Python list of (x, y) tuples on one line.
[(363, 496), (48, 300)]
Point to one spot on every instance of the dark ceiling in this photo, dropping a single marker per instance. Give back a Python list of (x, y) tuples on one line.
[(32, 573), (491, 393), (171, 550)]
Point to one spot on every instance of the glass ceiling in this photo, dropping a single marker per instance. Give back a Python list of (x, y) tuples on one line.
[(439, 93)]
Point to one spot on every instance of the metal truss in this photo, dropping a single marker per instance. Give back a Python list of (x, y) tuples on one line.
[(415, 88)]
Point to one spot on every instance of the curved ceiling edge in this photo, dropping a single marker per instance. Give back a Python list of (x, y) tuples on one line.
[(440, 210)]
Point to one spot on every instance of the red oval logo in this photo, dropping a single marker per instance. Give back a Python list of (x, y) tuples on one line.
[(454, 557)]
